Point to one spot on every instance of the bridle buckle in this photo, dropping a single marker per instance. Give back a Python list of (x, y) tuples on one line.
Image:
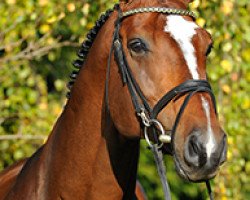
[(144, 117), (147, 122)]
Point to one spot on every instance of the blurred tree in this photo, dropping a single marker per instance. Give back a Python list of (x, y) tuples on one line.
[(229, 70), (38, 42)]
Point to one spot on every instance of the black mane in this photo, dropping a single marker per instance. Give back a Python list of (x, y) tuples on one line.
[(85, 47)]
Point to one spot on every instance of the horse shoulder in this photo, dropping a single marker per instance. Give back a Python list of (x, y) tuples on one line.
[(8, 177)]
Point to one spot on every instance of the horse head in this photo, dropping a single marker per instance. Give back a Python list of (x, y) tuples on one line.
[(159, 60)]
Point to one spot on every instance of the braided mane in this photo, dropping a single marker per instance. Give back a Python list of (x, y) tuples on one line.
[(85, 47)]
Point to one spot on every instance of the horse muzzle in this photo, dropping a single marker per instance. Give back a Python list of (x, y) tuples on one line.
[(201, 161)]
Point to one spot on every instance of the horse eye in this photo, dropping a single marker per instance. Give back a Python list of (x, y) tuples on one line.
[(209, 49), (137, 46)]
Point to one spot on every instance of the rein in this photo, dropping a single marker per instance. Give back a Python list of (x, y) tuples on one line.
[(145, 113)]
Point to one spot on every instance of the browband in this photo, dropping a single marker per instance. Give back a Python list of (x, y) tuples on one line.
[(173, 11)]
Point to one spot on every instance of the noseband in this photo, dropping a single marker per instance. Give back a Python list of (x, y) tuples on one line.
[(144, 111)]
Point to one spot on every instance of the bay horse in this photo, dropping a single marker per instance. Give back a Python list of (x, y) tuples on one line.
[(142, 67)]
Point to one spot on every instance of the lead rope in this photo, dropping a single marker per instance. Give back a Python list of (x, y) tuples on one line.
[(209, 190), (158, 156), (161, 169)]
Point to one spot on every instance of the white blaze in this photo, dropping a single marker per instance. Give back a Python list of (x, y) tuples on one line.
[(210, 139), (183, 32)]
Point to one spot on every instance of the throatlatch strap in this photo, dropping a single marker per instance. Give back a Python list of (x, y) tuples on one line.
[(125, 71)]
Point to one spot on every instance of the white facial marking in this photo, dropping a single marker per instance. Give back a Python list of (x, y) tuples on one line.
[(210, 139), (183, 31)]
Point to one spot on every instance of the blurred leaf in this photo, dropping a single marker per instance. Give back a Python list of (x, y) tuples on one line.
[(32, 89)]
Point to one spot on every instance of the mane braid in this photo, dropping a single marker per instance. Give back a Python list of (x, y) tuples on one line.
[(85, 47)]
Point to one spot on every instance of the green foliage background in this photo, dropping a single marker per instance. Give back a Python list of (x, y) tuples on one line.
[(38, 40)]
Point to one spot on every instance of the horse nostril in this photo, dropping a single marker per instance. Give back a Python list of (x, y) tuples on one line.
[(204, 156), (195, 154), (193, 147)]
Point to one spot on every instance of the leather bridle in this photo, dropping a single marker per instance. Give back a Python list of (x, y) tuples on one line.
[(144, 111)]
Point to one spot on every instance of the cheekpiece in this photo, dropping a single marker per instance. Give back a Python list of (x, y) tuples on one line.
[(173, 11)]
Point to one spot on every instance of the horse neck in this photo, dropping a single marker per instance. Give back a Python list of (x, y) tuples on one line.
[(77, 142)]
